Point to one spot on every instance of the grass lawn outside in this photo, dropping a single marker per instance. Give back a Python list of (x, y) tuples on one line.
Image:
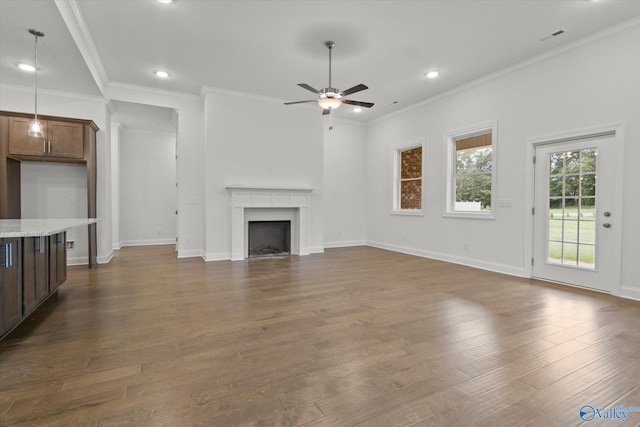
[(572, 236)]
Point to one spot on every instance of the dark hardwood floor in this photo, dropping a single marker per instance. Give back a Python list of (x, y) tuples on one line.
[(356, 336)]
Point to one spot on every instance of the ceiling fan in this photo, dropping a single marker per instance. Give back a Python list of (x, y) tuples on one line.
[(331, 98)]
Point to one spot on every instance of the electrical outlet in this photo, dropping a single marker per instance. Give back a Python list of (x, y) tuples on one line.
[(71, 245), (158, 230), (72, 201)]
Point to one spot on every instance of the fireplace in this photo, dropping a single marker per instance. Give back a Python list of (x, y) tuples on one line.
[(269, 238), (259, 204)]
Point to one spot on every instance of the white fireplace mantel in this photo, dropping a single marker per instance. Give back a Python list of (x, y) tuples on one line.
[(256, 199)]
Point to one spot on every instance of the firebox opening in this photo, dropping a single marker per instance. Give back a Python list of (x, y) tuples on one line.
[(269, 238)]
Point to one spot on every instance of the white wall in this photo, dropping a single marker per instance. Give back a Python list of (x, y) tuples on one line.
[(17, 98), (595, 84), (115, 185), (147, 187), (344, 184), (259, 142), (57, 190)]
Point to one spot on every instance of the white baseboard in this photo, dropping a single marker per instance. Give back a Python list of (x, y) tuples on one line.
[(105, 259), (316, 249), (190, 253), (216, 256), (77, 260), (630, 293), (344, 244), (149, 242), (116, 246), (470, 262)]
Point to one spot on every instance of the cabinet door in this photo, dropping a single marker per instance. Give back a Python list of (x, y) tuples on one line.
[(42, 268), (65, 139), (57, 261), (10, 284), (20, 143), (35, 286), (62, 258)]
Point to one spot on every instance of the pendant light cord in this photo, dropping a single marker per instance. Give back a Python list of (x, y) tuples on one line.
[(36, 63), (36, 34)]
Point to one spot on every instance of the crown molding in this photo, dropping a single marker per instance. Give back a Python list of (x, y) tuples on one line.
[(80, 33), (206, 90), (151, 91), (627, 25), (71, 95)]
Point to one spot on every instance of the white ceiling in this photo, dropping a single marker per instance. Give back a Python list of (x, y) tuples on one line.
[(266, 47)]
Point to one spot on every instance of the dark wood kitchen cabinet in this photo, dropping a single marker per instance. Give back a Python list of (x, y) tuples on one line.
[(66, 140), (57, 261), (35, 272), (62, 140), (10, 283)]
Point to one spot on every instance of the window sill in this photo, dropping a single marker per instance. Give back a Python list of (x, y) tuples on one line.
[(469, 215), (408, 212)]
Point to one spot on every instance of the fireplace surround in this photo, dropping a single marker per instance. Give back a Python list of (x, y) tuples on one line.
[(268, 204)]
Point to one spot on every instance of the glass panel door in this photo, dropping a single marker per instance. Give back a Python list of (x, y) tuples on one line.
[(572, 202)]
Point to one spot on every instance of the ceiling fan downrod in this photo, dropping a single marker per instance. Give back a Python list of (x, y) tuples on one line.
[(330, 46)]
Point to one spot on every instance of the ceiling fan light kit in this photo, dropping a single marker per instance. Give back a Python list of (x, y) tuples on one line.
[(330, 97)]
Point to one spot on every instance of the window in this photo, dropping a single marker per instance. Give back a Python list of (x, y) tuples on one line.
[(472, 173), (408, 188)]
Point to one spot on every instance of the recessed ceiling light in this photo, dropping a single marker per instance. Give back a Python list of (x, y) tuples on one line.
[(162, 74), (26, 67), (357, 110), (432, 74), (166, 1)]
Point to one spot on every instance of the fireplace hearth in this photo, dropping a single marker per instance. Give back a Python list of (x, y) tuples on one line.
[(269, 238)]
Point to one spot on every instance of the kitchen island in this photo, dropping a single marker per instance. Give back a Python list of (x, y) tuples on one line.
[(33, 264)]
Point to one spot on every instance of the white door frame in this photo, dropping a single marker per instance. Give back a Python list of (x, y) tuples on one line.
[(617, 129)]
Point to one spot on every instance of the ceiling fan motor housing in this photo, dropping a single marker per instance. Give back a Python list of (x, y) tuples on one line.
[(330, 92)]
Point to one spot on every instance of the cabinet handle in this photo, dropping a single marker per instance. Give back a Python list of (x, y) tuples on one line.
[(10, 246), (8, 262), (41, 249), (49, 146), (44, 146)]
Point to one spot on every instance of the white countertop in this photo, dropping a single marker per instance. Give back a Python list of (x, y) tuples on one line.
[(40, 227)]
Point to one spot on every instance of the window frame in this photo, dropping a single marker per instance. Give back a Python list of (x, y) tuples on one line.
[(450, 193), (397, 177)]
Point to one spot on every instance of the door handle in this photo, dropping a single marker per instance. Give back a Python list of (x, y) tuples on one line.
[(606, 225)]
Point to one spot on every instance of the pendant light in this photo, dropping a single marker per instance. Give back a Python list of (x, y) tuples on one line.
[(35, 127)]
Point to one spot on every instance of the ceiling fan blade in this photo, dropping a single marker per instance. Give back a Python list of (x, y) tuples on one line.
[(309, 88), (326, 111), (358, 103), (354, 89), (300, 102)]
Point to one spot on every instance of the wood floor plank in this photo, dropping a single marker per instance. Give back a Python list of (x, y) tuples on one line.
[(354, 336)]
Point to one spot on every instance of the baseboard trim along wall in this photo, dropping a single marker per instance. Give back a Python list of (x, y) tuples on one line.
[(469, 262), (630, 293), (150, 242), (344, 244)]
